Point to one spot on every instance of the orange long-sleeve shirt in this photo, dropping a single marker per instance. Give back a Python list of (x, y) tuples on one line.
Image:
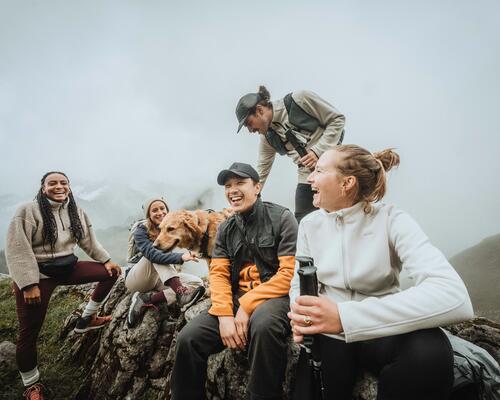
[(256, 292)]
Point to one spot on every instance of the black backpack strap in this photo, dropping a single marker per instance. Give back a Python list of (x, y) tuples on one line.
[(275, 142), (299, 117)]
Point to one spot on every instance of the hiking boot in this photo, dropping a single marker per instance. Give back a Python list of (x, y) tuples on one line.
[(138, 306), (91, 322), (34, 392), (188, 298)]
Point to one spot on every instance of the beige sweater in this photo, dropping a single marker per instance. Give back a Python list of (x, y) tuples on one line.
[(25, 248)]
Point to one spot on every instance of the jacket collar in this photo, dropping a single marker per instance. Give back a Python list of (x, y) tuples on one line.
[(55, 205), (346, 213), (278, 111), (251, 215)]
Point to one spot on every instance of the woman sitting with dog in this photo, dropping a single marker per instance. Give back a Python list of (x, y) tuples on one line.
[(40, 243), (362, 318), (154, 270)]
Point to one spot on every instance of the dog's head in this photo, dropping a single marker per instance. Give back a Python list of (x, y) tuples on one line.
[(185, 229), (179, 229)]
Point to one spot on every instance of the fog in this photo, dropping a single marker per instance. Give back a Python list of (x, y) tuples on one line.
[(136, 91)]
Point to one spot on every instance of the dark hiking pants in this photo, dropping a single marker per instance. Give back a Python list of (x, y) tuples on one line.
[(31, 316), (268, 334), (412, 366), (303, 201)]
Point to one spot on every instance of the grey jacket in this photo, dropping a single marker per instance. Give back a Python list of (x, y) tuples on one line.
[(327, 134)]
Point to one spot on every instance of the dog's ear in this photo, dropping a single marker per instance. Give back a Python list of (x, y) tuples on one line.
[(227, 212), (203, 219), (192, 223)]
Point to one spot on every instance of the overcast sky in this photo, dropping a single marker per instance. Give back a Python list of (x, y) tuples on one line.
[(146, 90)]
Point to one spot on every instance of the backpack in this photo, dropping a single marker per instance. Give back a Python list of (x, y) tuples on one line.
[(474, 365), (299, 118), (133, 253)]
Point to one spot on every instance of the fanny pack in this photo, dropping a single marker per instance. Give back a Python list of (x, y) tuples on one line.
[(58, 267)]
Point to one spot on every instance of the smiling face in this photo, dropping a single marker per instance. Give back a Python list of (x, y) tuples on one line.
[(157, 211), (241, 193), (331, 189), (56, 187)]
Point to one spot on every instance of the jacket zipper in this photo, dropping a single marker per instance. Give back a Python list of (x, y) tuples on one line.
[(60, 218), (340, 222)]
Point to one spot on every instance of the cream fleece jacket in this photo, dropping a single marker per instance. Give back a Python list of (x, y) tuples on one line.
[(24, 247), (359, 257)]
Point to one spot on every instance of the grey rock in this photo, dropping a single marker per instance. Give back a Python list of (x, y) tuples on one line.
[(8, 355), (125, 363)]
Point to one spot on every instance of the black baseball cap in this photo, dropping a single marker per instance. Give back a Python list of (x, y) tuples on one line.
[(244, 106), (239, 169)]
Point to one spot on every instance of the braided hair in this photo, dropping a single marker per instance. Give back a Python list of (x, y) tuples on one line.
[(49, 233)]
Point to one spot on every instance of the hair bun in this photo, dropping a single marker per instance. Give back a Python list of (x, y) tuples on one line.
[(388, 157), (264, 93)]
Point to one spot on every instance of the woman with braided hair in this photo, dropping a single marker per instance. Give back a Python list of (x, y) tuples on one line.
[(362, 318), (40, 243)]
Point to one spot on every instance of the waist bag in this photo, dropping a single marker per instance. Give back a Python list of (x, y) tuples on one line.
[(58, 267)]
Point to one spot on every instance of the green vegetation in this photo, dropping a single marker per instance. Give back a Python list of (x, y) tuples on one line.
[(61, 378), (3, 263)]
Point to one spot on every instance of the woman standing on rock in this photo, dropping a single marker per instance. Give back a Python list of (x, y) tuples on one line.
[(40, 243), (152, 269), (362, 318)]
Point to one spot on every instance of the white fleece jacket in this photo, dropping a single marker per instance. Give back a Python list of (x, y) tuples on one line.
[(359, 257)]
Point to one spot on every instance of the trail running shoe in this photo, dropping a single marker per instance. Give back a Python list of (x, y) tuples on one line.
[(91, 322)]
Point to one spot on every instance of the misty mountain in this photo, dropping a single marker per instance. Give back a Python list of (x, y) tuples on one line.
[(110, 204), (114, 208), (479, 267)]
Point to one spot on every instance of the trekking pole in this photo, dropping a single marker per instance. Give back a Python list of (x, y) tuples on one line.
[(309, 287)]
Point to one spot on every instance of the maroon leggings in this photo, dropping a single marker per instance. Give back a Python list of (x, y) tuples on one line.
[(31, 316)]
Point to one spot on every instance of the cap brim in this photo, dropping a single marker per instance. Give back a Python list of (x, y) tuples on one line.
[(242, 122), (241, 125), (224, 174)]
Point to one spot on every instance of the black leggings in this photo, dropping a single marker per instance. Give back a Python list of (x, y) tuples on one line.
[(412, 366)]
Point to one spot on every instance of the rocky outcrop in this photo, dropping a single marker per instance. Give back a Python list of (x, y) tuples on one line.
[(7, 354), (123, 363)]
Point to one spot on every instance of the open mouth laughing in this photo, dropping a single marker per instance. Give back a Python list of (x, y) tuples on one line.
[(236, 200)]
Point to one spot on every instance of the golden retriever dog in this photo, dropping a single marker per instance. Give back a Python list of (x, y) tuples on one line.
[(193, 230)]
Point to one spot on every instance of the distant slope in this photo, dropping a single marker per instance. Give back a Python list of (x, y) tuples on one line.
[(114, 240), (479, 267)]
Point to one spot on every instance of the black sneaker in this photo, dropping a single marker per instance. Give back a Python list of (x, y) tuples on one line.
[(140, 302), (187, 299), (91, 322)]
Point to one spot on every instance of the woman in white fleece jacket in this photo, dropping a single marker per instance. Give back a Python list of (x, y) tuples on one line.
[(364, 318)]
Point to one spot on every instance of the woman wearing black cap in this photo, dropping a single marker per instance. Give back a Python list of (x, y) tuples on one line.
[(301, 125)]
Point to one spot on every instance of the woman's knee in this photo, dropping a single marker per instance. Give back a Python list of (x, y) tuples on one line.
[(135, 285), (429, 349), (424, 365)]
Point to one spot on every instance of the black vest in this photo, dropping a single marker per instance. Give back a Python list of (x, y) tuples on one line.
[(257, 236)]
